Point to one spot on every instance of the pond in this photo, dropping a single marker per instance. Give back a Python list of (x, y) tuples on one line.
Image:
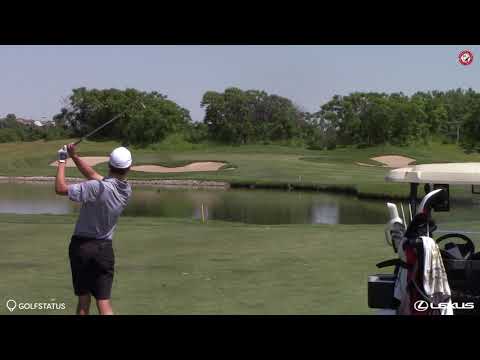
[(238, 205)]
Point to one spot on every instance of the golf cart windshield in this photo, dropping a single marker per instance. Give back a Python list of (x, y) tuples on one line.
[(437, 176), (453, 173)]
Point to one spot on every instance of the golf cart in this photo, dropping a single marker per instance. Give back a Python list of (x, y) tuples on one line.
[(458, 254)]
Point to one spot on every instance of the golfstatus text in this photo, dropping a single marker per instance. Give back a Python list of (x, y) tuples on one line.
[(13, 305)]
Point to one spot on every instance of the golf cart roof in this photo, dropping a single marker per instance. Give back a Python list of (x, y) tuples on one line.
[(450, 173)]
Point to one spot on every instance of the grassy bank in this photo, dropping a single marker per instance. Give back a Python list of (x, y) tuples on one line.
[(269, 166)]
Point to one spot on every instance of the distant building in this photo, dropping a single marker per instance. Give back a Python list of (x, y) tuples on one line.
[(30, 122), (25, 121)]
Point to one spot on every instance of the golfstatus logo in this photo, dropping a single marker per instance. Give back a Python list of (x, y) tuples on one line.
[(12, 305), (422, 305), (465, 57)]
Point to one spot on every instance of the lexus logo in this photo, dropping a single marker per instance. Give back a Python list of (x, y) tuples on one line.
[(421, 305)]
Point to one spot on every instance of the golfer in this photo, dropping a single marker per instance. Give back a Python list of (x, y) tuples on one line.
[(103, 199)]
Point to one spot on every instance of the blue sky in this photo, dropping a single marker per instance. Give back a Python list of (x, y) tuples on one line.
[(35, 79)]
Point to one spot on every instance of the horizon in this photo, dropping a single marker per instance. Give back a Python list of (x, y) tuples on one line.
[(36, 79)]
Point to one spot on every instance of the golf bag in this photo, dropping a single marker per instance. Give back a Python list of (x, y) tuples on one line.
[(406, 286)]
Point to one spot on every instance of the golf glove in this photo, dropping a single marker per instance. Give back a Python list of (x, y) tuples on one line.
[(63, 154)]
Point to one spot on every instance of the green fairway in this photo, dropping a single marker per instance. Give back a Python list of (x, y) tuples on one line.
[(170, 266), (254, 164)]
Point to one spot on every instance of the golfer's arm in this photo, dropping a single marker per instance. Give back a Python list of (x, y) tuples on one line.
[(61, 187), (86, 169)]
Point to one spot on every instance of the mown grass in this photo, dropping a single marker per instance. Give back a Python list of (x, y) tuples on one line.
[(177, 266), (180, 266)]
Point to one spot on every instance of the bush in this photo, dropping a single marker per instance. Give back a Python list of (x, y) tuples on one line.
[(315, 146), (331, 145), (196, 133), (54, 133), (9, 135), (315, 141)]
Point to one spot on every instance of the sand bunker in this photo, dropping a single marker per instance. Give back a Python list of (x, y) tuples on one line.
[(197, 166), (390, 161), (90, 160), (394, 161)]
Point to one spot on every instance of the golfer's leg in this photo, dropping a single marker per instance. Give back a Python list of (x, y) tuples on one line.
[(104, 278), (104, 307), (83, 307)]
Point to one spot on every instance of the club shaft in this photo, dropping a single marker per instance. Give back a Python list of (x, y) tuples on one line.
[(102, 126), (403, 215), (98, 129)]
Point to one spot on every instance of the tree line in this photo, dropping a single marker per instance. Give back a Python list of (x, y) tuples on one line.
[(237, 117), (367, 119), (12, 130)]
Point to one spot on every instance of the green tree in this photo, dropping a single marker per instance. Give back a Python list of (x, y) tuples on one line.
[(89, 109), (470, 139), (240, 117)]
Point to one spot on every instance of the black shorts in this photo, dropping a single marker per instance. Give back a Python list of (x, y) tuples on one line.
[(92, 262)]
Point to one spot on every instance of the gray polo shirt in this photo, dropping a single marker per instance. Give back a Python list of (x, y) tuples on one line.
[(102, 203)]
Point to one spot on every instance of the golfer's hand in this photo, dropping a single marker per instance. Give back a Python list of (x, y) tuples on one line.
[(63, 154), (71, 150)]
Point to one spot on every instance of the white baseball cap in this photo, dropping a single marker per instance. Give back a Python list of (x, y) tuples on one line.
[(121, 158)]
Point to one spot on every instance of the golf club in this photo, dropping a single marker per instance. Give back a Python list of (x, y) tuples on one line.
[(403, 215), (108, 122)]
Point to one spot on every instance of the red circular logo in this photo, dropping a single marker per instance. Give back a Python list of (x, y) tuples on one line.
[(465, 57)]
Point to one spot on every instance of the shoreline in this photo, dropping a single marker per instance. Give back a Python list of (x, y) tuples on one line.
[(333, 189), (159, 183), (222, 185)]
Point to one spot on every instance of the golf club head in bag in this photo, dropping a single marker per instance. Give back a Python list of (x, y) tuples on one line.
[(395, 228), (422, 223)]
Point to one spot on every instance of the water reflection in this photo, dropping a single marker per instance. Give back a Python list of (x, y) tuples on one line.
[(325, 213), (34, 207), (247, 206)]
